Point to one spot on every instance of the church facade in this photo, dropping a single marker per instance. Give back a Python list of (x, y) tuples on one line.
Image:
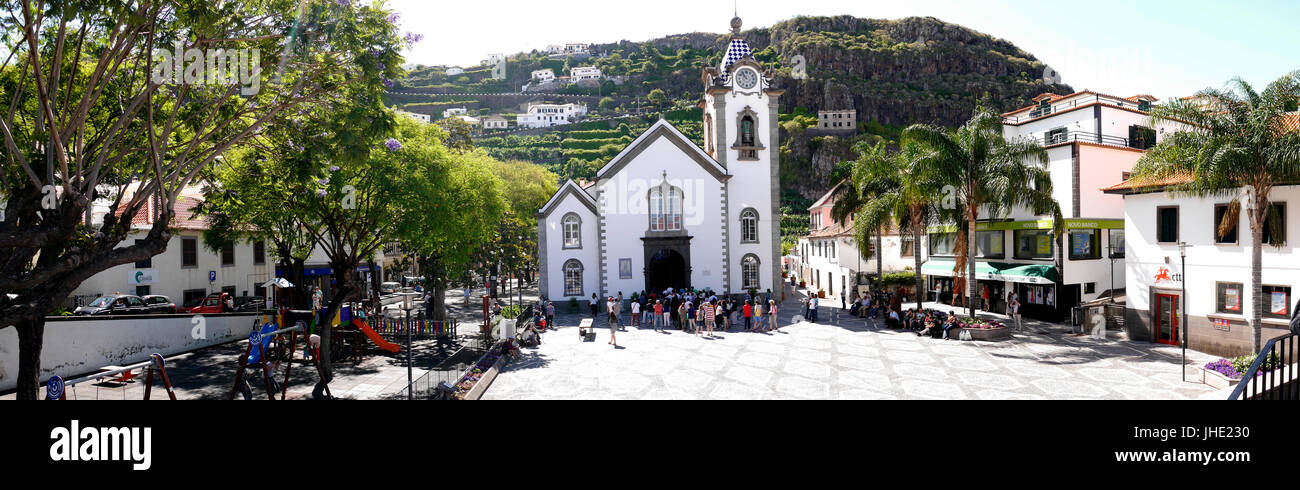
[(666, 213)]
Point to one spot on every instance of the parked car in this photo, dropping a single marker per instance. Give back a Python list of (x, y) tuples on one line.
[(250, 303), (389, 288), (120, 304), (214, 303), (160, 304)]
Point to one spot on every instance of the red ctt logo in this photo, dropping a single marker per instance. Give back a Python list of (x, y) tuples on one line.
[(1164, 274)]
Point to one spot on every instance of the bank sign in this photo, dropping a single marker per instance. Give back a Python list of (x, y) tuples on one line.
[(142, 277)]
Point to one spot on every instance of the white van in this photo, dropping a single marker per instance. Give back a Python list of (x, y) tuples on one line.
[(389, 288)]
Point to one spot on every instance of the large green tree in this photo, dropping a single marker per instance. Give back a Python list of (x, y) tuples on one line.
[(900, 191), (1237, 144), (94, 112), (978, 169)]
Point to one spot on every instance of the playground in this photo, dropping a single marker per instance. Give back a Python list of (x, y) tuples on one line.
[(277, 360)]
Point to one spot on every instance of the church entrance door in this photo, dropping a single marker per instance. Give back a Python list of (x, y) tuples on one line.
[(667, 270), (667, 263)]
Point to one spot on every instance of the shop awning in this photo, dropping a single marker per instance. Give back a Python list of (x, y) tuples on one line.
[(998, 271)]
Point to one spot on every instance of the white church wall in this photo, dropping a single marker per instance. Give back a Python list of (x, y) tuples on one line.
[(623, 201), (557, 255)]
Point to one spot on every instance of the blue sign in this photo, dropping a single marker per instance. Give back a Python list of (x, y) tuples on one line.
[(212, 276), (54, 388)]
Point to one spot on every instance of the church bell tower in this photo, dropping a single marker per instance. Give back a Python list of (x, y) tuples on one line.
[(740, 108)]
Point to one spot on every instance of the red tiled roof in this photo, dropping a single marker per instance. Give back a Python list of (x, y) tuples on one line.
[(1147, 183), (185, 217)]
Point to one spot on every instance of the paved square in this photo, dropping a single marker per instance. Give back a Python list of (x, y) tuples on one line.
[(842, 358)]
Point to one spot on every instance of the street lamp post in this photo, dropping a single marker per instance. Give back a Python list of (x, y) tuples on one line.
[(1182, 252), (407, 295), (1110, 252)]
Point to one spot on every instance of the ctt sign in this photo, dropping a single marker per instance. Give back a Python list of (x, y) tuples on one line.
[(142, 277)]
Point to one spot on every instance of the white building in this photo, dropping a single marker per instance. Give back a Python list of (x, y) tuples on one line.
[(456, 111), (830, 259), (1219, 302), (585, 73), (544, 76), (455, 70), (418, 117), (569, 49), (546, 115), (1092, 140), (188, 270), (667, 213), (846, 121), (470, 120), (495, 122)]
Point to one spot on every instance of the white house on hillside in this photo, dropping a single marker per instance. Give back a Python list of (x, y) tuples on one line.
[(546, 115)]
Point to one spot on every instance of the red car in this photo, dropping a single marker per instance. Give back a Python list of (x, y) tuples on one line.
[(216, 303)]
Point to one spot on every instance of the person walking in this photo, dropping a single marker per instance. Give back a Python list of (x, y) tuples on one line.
[(550, 314), (710, 316), (613, 322), (592, 304), (747, 311), (620, 311), (1015, 312), (771, 315), (985, 295), (467, 288), (844, 294), (636, 313), (660, 319), (690, 317)]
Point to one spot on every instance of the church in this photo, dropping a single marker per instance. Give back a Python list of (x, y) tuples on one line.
[(666, 213)]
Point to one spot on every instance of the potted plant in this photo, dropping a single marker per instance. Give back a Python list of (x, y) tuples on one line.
[(821, 294), (573, 306), (803, 284)]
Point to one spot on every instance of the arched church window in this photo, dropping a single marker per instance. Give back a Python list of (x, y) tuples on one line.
[(573, 278), (749, 226), (666, 208), (749, 271), (572, 231)]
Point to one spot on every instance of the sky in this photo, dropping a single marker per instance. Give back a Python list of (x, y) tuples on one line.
[(1160, 47)]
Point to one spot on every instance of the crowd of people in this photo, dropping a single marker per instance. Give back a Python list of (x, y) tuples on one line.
[(701, 312)]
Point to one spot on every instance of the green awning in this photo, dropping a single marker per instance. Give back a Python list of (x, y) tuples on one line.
[(998, 271)]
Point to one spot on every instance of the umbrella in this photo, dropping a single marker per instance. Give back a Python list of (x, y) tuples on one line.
[(278, 282)]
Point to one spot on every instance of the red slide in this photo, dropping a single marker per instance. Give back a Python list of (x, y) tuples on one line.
[(374, 337)]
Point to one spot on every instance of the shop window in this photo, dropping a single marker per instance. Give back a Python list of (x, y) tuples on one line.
[(992, 244), (1117, 244), (1231, 236), (1033, 244), (1167, 224), (1085, 244), (943, 244), (146, 263), (1277, 302), (1228, 298), (143, 291), (228, 255)]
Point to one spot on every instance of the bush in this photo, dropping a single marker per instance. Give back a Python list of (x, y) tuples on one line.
[(573, 306)]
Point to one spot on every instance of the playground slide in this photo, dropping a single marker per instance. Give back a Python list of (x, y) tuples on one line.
[(374, 337)]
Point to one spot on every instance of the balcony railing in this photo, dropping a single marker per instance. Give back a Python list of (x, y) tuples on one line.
[(1273, 374), (1080, 136), (1041, 111)]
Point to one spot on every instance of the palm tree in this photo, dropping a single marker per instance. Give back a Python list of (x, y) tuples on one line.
[(900, 192), (1238, 146), (978, 170)]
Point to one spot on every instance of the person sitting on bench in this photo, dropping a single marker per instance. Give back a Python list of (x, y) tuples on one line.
[(949, 323)]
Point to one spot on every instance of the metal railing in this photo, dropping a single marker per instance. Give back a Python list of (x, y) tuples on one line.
[(1079, 136), (1040, 111), (1273, 374)]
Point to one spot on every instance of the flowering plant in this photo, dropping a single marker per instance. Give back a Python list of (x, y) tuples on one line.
[(978, 324)]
